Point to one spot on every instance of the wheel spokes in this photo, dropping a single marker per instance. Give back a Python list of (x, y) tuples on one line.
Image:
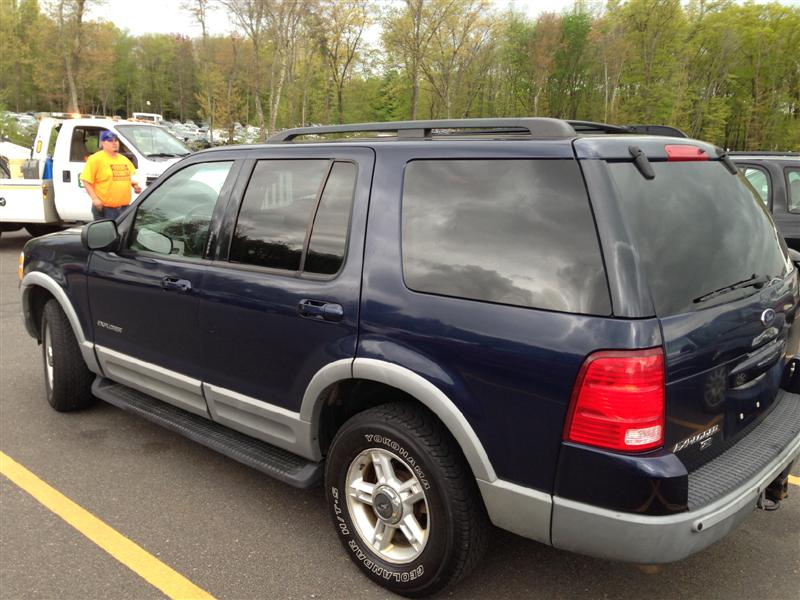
[(382, 536), (413, 532), (411, 492), (384, 470), (362, 491)]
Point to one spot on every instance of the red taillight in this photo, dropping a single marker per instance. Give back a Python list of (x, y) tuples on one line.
[(683, 152), (618, 401)]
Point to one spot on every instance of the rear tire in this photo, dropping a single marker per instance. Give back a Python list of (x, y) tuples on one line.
[(403, 500), (67, 380)]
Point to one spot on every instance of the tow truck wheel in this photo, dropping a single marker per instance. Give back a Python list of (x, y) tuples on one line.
[(39, 230), (67, 380)]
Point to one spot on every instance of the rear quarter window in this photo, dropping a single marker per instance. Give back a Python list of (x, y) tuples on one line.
[(517, 232)]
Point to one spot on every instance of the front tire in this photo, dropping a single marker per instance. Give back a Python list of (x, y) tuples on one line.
[(67, 380), (404, 502)]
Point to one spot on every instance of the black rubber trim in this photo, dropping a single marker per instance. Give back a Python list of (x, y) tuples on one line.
[(276, 462), (749, 456)]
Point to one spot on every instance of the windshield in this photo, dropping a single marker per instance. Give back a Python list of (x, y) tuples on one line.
[(153, 141), (698, 230)]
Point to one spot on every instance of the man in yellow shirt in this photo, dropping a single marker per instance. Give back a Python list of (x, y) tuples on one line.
[(107, 178)]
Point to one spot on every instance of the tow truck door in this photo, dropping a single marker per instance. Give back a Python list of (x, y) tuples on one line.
[(69, 158)]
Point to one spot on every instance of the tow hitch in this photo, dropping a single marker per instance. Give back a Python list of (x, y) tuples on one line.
[(775, 492)]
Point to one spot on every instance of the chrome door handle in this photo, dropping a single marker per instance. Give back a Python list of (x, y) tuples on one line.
[(172, 284), (329, 311)]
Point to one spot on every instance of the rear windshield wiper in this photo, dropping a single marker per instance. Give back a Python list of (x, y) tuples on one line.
[(754, 280)]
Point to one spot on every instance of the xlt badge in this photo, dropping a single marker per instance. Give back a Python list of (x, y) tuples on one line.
[(109, 326)]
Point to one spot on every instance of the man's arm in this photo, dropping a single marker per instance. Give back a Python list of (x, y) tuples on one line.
[(134, 182), (98, 204)]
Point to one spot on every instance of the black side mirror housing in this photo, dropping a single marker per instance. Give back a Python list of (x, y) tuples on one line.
[(100, 235), (794, 256)]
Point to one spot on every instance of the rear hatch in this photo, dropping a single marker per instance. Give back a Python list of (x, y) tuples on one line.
[(721, 284)]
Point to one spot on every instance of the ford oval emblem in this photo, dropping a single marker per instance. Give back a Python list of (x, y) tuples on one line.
[(767, 317)]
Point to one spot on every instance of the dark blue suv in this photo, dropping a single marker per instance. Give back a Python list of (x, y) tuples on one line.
[(577, 333)]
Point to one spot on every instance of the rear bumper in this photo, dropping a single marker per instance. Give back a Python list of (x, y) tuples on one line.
[(587, 529)]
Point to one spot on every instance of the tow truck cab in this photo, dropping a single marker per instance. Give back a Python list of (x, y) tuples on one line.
[(58, 157), (149, 148)]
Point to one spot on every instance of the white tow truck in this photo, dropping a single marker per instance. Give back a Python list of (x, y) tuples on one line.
[(51, 195)]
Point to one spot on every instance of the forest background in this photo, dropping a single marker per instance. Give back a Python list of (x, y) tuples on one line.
[(724, 71)]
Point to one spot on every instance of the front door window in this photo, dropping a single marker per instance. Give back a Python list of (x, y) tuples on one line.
[(175, 218)]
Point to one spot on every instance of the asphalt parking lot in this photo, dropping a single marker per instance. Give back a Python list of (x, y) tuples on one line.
[(233, 533)]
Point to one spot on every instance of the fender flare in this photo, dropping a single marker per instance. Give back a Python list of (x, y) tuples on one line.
[(39, 279), (415, 386)]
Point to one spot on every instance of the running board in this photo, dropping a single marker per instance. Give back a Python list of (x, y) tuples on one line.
[(276, 462)]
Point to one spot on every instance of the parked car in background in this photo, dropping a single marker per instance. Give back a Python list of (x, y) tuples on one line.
[(776, 178)]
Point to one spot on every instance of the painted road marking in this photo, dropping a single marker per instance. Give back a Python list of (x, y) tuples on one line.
[(130, 554), (794, 480)]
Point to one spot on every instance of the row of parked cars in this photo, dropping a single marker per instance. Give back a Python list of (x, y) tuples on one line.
[(574, 331), (200, 134)]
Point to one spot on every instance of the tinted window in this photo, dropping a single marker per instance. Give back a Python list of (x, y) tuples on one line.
[(276, 212), (329, 235), (698, 229), (793, 185), (509, 231), (175, 217), (759, 179)]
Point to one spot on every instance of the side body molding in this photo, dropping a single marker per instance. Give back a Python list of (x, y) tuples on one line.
[(36, 278)]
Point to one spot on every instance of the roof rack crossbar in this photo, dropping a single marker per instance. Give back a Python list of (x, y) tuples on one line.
[(538, 127)]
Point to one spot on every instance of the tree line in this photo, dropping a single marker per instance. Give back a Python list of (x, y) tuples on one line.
[(724, 71)]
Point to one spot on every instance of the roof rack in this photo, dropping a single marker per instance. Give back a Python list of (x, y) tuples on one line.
[(538, 127), (789, 153), (592, 127)]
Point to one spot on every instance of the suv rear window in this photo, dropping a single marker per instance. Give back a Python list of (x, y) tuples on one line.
[(698, 229), (515, 232)]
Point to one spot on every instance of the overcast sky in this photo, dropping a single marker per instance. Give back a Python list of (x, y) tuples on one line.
[(166, 16)]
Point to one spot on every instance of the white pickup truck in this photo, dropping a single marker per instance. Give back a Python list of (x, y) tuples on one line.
[(51, 193)]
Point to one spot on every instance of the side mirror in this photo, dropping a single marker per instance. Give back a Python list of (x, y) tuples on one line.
[(100, 235), (794, 256), (154, 241)]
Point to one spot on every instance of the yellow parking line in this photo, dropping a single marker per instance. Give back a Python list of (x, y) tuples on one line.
[(794, 480), (130, 554)]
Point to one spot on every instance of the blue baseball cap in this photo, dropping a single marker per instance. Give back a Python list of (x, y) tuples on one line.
[(108, 136)]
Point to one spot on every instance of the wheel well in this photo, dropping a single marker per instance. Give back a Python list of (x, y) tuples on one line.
[(347, 398), (39, 297)]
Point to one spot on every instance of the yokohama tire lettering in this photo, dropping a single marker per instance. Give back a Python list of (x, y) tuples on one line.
[(403, 453)]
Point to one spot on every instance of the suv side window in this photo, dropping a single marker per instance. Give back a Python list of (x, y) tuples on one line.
[(759, 179), (793, 189), (517, 232), (175, 218), (290, 222)]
